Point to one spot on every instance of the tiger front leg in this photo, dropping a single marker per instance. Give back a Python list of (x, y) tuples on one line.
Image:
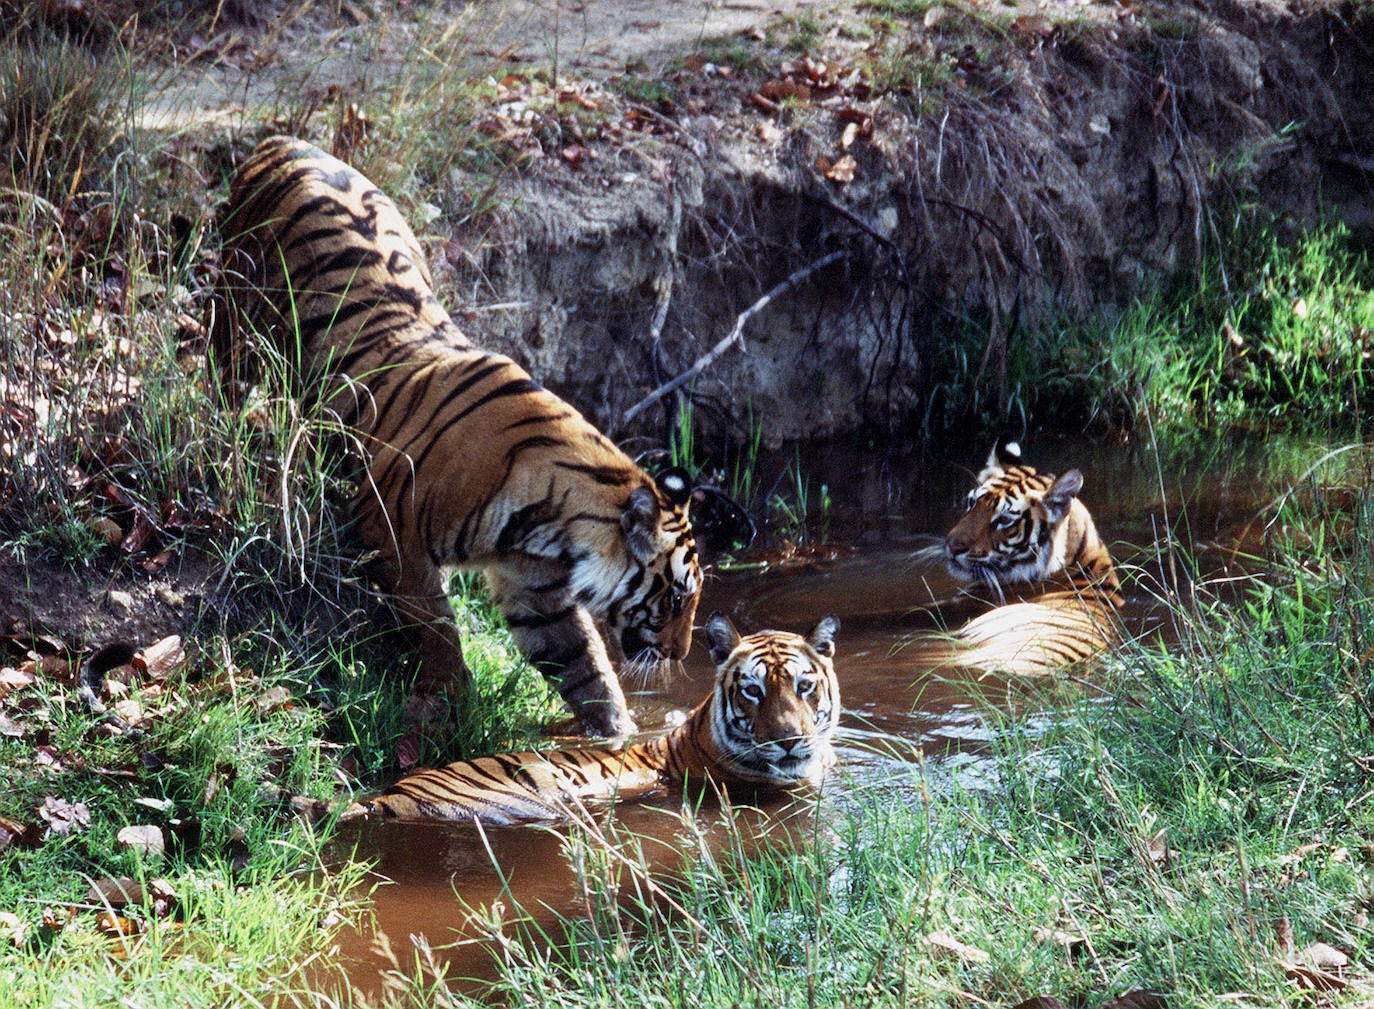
[(560, 639)]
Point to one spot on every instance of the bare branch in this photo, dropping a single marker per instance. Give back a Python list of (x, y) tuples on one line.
[(735, 335)]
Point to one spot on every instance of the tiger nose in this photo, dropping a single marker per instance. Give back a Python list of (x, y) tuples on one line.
[(955, 547)]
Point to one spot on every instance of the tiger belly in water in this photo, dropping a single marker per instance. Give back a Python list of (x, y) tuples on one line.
[(1027, 536), (768, 721)]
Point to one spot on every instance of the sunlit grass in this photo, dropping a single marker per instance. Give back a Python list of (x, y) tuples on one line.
[(1280, 334), (1189, 832)]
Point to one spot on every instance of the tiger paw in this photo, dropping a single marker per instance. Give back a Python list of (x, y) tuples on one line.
[(607, 719)]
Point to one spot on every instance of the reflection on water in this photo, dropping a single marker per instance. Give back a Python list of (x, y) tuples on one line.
[(899, 717)]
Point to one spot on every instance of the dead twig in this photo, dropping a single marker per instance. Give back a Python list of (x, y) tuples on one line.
[(735, 335)]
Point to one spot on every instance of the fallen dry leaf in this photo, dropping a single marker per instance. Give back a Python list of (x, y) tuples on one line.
[(116, 925), (139, 535), (132, 712), (11, 679), (144, 838), (57, 918), (777, 91), (1059, 938), (162, 657), (12, 832), (272, 699), (12, 928), (120, 891), (962, 950), (63, 817), (408, 751), (842, 170)]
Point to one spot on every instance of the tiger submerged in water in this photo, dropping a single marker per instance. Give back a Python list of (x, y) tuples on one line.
[(1026, 534), (469, 463), (767, 722)]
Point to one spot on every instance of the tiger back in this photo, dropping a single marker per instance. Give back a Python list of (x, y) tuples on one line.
[(1028, 539), (468, 462), (767, 722)]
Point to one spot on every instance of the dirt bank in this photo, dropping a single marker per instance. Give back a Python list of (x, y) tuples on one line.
[(1026, 168)]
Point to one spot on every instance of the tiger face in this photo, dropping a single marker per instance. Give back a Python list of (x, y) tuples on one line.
[(1011, 530), (654, 602), (776, 702)]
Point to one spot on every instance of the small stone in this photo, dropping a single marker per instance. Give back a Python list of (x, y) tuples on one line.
[(107, 529), (170, 596), (121, 602)]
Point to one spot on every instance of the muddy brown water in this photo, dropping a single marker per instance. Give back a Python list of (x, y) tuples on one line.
[(884, 589)]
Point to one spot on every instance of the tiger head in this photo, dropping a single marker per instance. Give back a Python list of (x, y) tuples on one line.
[(1017, 522), (775, 703), (655, 600)]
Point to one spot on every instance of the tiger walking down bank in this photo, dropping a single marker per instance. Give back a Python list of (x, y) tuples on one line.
[(767, 722), (1027, 535), (469, 463)]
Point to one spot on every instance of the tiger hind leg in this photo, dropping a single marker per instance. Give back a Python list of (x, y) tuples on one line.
[(420, 601), (561, 641)]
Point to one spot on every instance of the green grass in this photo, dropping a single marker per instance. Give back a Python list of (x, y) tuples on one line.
[(1280, 334), (1164, 836)]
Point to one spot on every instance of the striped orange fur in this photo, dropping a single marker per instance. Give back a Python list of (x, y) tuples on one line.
[(1033, 545), (767, 721), (469, 463)]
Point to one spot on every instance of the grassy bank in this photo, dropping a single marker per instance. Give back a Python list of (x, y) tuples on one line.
[(1276, 332), (1192, 831)]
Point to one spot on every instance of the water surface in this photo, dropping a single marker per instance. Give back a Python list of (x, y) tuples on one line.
[(1202, 512)]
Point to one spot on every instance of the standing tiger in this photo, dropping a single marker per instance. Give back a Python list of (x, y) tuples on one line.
[(768, 721), (1027, 534), (469, 463)]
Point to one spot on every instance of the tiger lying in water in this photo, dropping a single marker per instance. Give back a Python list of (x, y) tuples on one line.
[(768, 721), (469, 462), (1026, 534)]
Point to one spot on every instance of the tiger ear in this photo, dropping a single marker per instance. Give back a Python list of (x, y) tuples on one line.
[(639, 521), (676, 485), (822, 636), (721, 636), (1061, 494), (1003, 454)]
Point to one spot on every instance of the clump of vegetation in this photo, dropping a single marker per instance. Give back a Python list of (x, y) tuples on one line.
[(1282, 332), (1194, 826), (1278, 333)]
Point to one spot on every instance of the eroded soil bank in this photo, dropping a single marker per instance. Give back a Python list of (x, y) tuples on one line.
[(1048, 170)]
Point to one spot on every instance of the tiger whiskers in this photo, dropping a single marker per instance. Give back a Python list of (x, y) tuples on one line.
[(648, 667)]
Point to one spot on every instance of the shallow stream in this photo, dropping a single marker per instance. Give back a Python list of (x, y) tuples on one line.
[(1209, 505)]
